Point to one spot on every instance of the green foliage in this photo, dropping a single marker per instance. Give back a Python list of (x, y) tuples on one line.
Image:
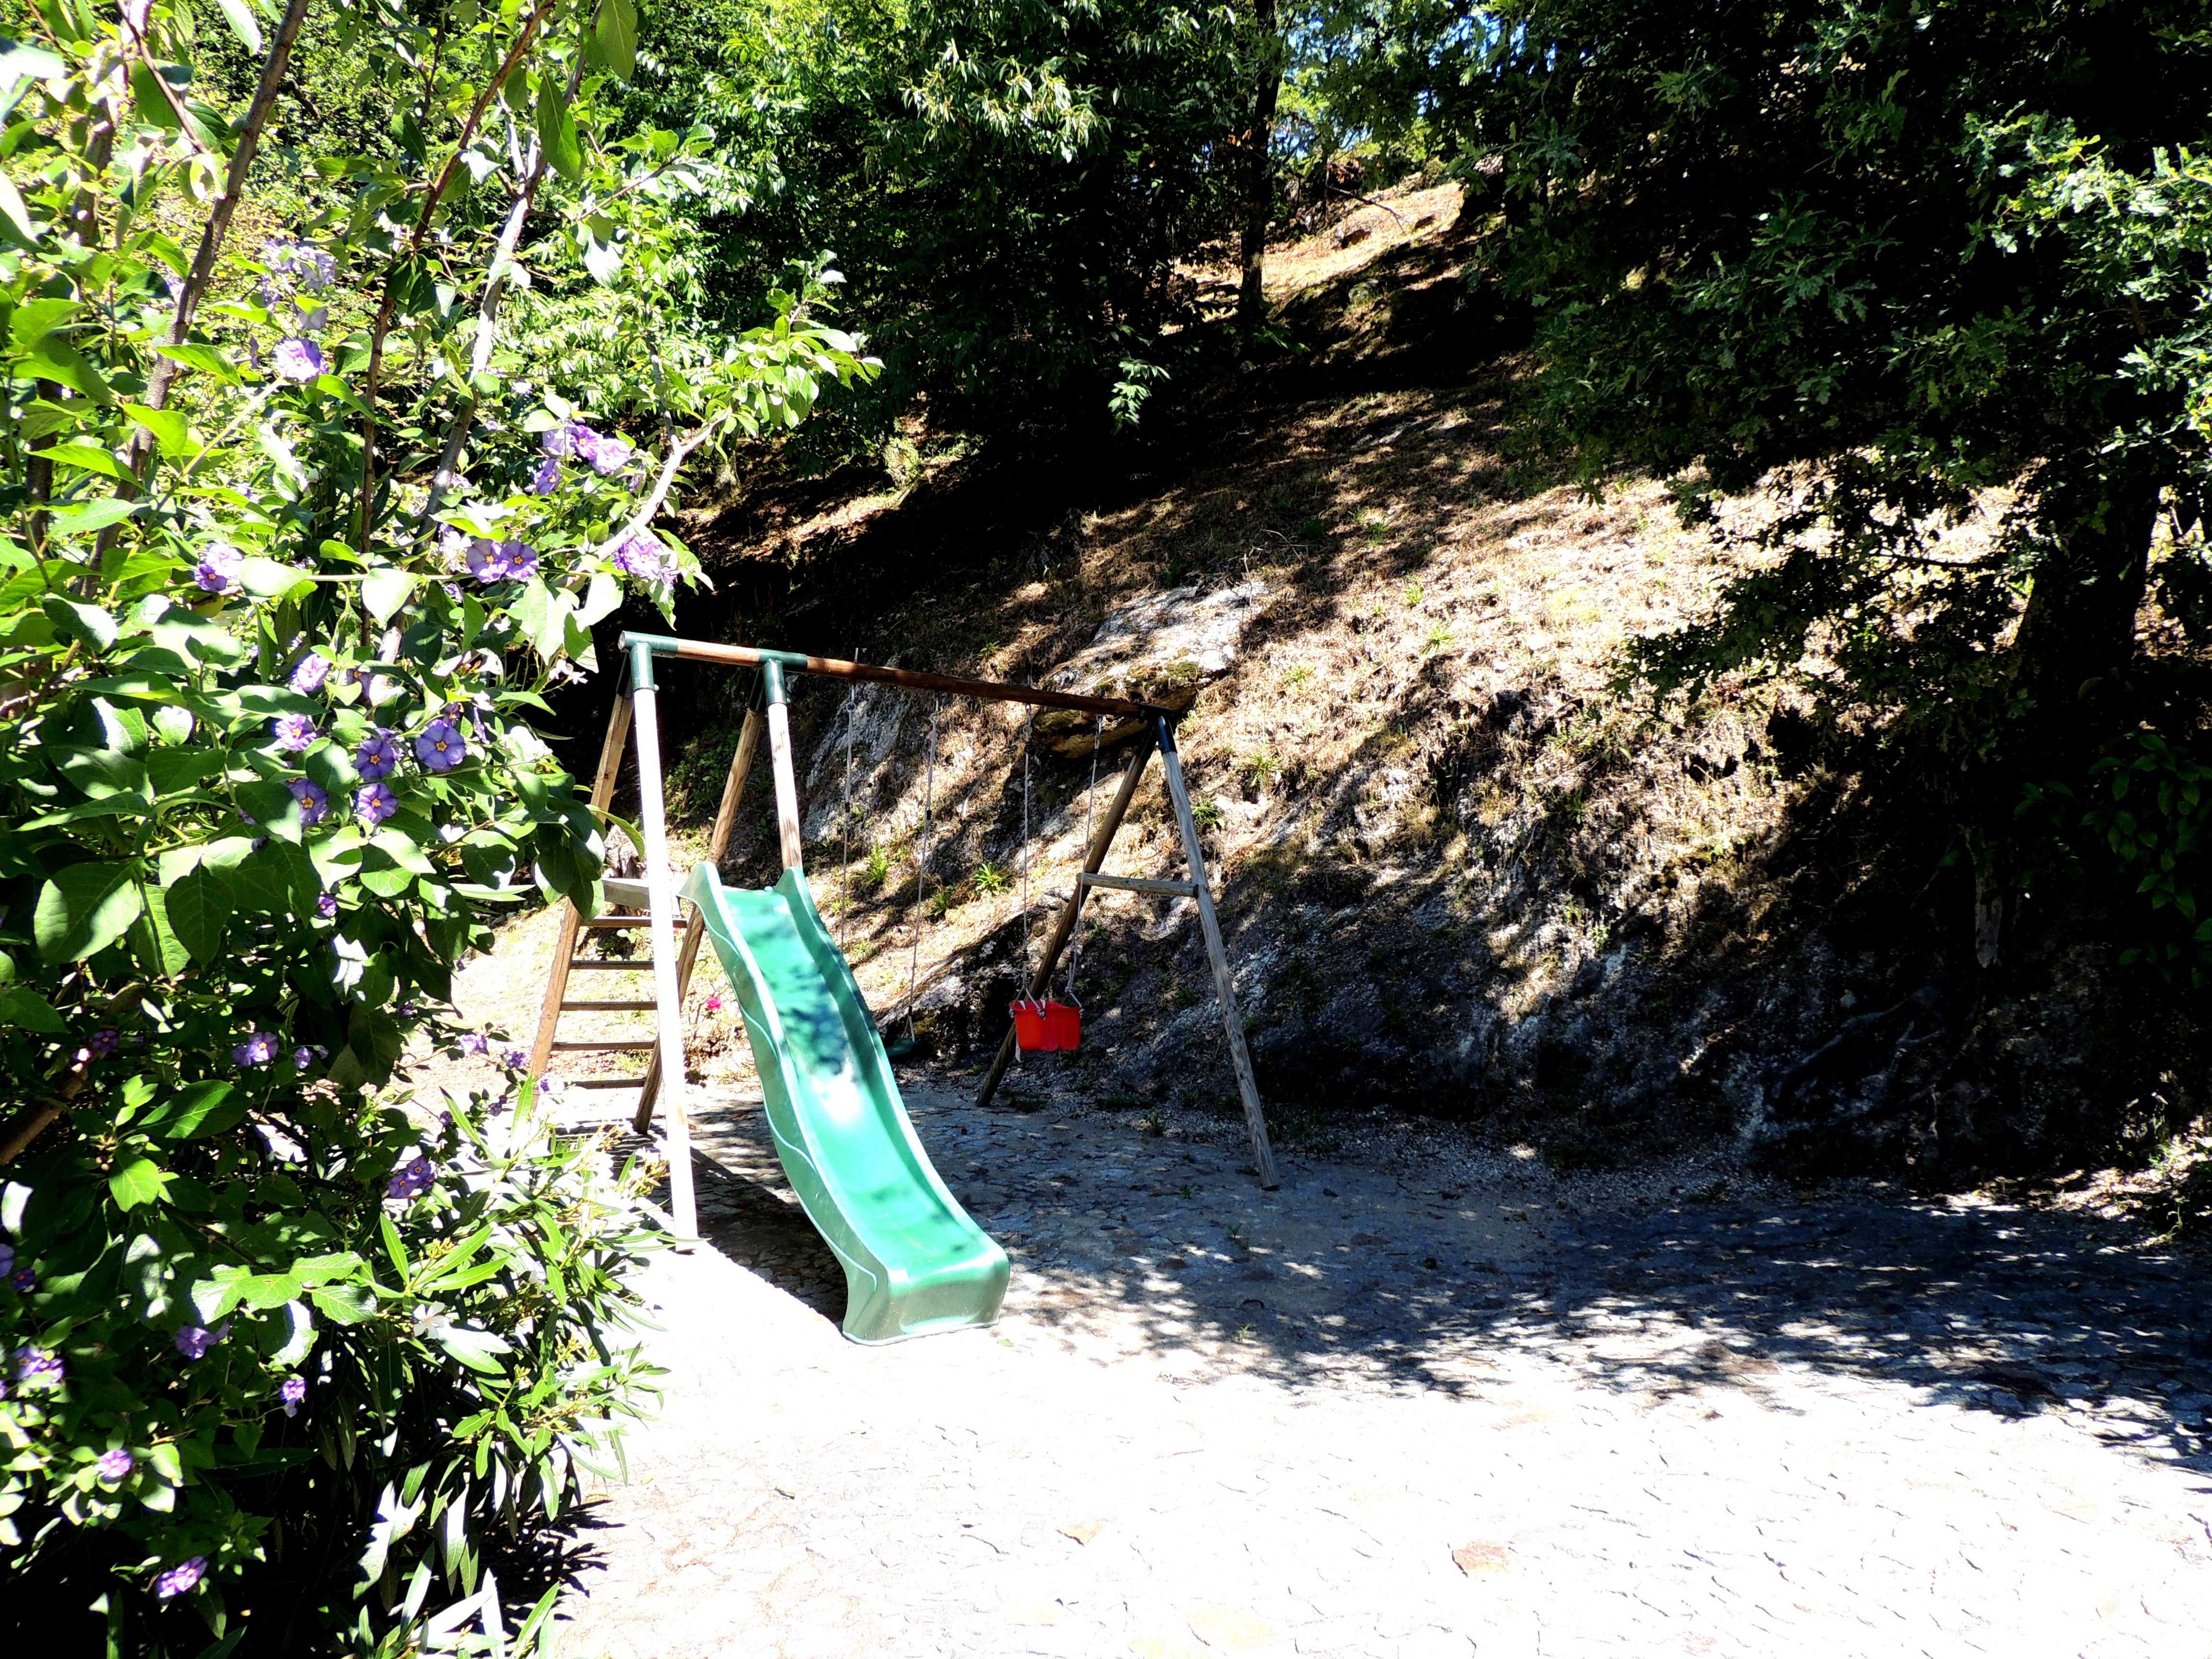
[(1903, 265), (298, 535), (2156, 817), (1009, 185)]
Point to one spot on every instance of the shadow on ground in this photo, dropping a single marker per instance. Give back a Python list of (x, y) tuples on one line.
[(1361, 1274)]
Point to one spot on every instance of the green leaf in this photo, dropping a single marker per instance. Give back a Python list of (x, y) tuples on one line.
[(556, 129), (197, 1109), (266, 1290), (478, 1350), (93, 517), (11, 206), (373, 1036), (614, 38), (88, 623), (343, 1304), (384, 591), (393, 1247), (87, 458), (199, 911), (140, 1182), (170, 429), (85, 909), (605, 595), (241, 18), (205, 358), (267, 579), (161, 952), (50, 357), (19, 1006)]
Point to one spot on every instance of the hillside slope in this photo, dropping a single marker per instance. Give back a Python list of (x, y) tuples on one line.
[(1461, 872)]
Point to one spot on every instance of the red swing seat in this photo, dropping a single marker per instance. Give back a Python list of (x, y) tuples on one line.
[(1046, 1025)]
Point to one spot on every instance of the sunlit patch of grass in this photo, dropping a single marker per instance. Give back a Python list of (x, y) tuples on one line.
[(990, 880)]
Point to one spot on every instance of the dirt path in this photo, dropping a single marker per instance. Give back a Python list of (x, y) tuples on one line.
[(1416, 1402), (1419, 1401)]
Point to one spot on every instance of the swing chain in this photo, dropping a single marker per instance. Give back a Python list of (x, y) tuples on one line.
[(1028, 735)]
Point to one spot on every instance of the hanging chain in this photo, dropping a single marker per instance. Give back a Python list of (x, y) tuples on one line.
[(1028, 735), (922, 874), (1090, 811)]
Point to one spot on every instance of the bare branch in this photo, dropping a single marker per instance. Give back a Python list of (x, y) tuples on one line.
[(679, 453), (423, 221)]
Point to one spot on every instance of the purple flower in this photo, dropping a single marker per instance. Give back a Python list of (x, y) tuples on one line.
[(372, 802), (326, 905), (308, 678), (259, 1049), (102, 1043), (114, 1465), (546, 479), (220, 563), (412, 1180), (640, 554), (521, 560), (314, 804), (182, 1579), (292, 1391), (474, 1042), (311, 268), (24, 1280), (515, 1059), (302, 1058), (607, 455), (193, 1342), (378, 757), (441, 747), (487, 560), (566, 439), (298, 359), (294, 733), (38, 1368), (7, 1258)]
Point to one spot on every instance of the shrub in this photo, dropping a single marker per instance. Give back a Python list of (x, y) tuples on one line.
[(295, 542)]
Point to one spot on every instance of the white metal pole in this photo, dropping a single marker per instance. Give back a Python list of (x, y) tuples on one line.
[(661, 888)]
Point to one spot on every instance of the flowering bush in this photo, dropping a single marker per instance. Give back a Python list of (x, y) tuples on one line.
[(295, 541)]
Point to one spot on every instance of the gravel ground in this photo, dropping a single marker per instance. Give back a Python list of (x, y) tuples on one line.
[(1419, 1401)]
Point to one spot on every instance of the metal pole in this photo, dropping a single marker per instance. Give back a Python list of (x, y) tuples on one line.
[(661, 888), (779, 752), (1240, 1058)]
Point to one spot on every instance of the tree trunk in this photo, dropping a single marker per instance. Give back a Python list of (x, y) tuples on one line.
[(2078, 633), (1259, 164)]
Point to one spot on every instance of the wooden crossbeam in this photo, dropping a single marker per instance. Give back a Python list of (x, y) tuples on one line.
[(1139, 884)]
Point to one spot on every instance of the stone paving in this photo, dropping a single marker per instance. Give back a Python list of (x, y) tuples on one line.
[(1419, 1403)]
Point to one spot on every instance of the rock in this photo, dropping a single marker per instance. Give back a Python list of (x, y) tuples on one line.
[(1161, 649)]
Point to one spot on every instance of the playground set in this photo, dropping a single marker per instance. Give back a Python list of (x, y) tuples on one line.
[(915, 1262)]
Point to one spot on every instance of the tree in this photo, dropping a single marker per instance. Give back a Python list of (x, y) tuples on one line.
[(1900, 259)]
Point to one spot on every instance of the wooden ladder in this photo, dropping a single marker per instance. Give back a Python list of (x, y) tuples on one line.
[(631, 893)]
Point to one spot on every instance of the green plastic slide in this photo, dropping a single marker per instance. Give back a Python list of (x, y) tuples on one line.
[(915, 1262)]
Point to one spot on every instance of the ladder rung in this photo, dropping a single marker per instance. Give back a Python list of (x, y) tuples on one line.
[(606, 1044), (1138, 883), (604, 923), (605, 965), (606, 1083), (611, 1007)]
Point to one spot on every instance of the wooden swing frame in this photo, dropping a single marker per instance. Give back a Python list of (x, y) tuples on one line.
[(637, 715)]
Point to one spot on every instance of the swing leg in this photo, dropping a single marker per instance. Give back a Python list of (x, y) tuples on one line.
[(1255, 1120), (1063, 927), (717, 842), (653, 815)]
